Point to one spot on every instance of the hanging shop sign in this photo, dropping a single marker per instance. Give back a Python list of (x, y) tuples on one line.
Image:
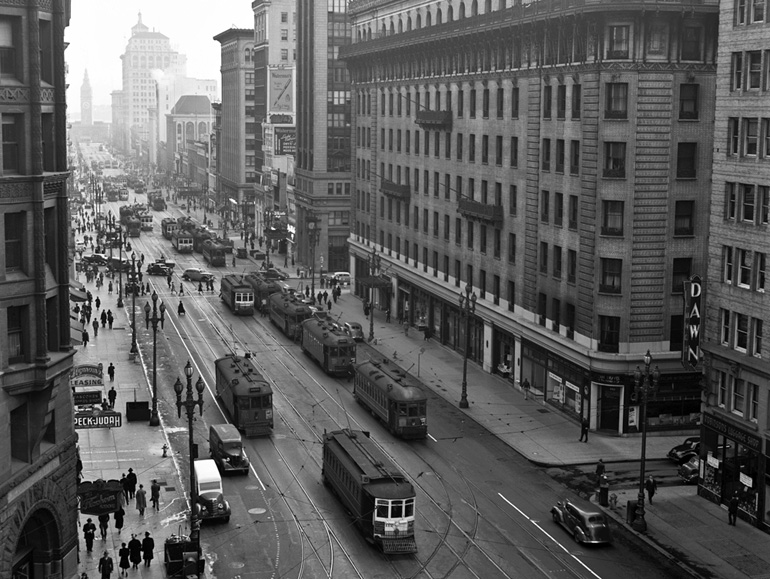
[(693, 290)]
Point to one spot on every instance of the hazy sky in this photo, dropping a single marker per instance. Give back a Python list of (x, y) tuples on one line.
[(99, 31)]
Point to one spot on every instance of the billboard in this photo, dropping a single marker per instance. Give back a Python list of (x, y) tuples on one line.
[(285, 141), (281, 86)]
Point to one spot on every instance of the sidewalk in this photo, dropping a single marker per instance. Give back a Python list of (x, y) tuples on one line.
[(689, 529), (108, 453)]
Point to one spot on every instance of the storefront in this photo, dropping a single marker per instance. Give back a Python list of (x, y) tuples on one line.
[(731, 462), (504, 354), (560, 382)]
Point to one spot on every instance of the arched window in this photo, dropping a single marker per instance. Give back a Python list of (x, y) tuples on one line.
[(438, 16), (450, 14), (462, 10), (419, 21), (384, 30), (487, 6), (409, 22), (474, 8), (400, 26), (392, 28), (428, 19), (202, 130), (189, 131)]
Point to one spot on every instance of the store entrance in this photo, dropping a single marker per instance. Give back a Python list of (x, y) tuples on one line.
[(608, 408)]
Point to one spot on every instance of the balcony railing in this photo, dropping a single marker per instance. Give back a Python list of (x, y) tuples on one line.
[(478, 210), (396, 190), (434, 119)]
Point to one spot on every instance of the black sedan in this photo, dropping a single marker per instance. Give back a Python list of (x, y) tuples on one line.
[(682, 453), (158, 268), (94, 259), (273, 274)]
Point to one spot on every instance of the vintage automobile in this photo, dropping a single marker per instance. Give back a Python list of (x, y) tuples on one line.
[(196, 274), (354, 330), (158, 268), (682, 453), (95, 259), (273, 274), (690, 470), (585, 522)]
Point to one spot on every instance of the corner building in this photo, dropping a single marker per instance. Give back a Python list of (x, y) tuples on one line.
[(38, 460), (552, 155), (735, 448)]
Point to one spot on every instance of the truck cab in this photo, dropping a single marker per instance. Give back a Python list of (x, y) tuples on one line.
[(226, 449)]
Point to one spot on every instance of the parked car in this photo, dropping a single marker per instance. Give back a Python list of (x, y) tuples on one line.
[(341, 277), (690, 470), (584, 521), (258, 254), (197, 274), (681, 453), (158, 268), (118, 264), (354, 330), (94, 259), (80, 246)]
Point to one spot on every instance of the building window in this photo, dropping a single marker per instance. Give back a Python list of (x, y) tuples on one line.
[(546, 154), (12, 134), (616, 105), (725, 333), (14, 240), (561, 101), (757, 11), (514, 151), (457, 272), (499, 150), (511, 295), (756, 342), (471, 148), (609, 334), (485, 103), (576, 100), (681, 270), (459, 146), (618, 42), (744, 268), (547, 101), (572, 222), (722, 394), (684, 212), (612, 218), (17, 322), (545, 209), (8, 54), (739, 396), (472, 104), (574, 158), (747, 203), (558, 209), (485, 149), (741, 332), (458, 230), (515, 102), (470, 234), (615, 160), (612, 274), (497, 242), (500, 102), (685, 160), (727, 264), (557, 259), (733, 136), (571, 265), (760, 260), (688, 101), (543, 257), (570, 320), (737, 71), (754, 76), (560, 155), (512, 195), (750, 137), (753, 409), (691, 43)]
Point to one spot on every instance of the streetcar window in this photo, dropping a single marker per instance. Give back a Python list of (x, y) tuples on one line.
[(382, 509), (396, 510), (409, 508), (402, 409), (414, 410), (243, 403)]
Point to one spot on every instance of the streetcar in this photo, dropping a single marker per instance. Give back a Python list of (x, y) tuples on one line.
[(182, 241), (263, 289), (379, 497), (146, 220), (392, 395), (134, 227), (246, 395), (237, 294), (328, 345), (199, 238), (288, 313), (213, 253), (168, 226)]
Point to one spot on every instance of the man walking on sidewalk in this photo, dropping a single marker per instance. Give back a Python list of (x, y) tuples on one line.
[(155, 494), (89, 533), (732, 509), (584, 430), (600, 469), (111, 372), (131, 479), (651, 485), (106, 565), (141, 500), (112, 395), (525, 386)]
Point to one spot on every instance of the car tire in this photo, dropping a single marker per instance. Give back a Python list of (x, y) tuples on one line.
[(576, 536), (555, 517)]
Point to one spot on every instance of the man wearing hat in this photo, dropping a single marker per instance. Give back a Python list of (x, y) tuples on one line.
[(89, 532)]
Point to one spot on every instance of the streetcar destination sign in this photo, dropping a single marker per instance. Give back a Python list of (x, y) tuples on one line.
[(104, 419)]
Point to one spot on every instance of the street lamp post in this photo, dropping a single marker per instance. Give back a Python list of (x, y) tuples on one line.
[(266, 232), (644, 384), (134, 349), (120, 269), (313, 233), (467, 309), (374, 265), (154, 319), (189, 405)]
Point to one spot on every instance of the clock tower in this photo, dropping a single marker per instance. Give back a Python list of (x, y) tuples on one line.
[(86, 98)]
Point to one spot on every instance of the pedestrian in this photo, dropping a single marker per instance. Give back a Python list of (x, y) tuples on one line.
[(125, 484), (168, 280), (651, 485), (200, 287), (584, 424), (85, 338), (135, 551), (329, 305), (119, 516), (95, 325), (387, 315), (89, 533), (141, 500), (110, 318), (426, 333), (233, 261), (124, 563), (334, 296), (109, 288), (131, 477), (98, 302), (525, 386), (104, 524), (600, 469), (112, 395), (307, 291), (181, 289), (103, 317), (111, 372), (106, 566), (406, 327), (732, 509), (148, 548), (326, 296), (155, 494)]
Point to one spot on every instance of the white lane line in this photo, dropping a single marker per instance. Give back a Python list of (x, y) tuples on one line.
[(547, 534)]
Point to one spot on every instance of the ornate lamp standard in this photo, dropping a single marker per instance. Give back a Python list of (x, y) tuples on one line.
[(189, 405), (120, 267), (374, 266), (644, 384), (266, 233), (313, 234), (154, 319), (134, 277), (467, 309)]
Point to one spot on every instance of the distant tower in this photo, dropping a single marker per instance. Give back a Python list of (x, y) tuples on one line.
[(86, 98)]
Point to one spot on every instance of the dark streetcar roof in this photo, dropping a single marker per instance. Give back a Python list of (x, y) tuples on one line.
[(395, 382), (242, 369)]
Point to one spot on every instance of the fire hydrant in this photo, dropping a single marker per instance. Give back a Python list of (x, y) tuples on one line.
[(165, 450), (613, 501)]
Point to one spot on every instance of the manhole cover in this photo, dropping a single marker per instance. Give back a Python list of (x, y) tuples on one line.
[(236, 565), (257, 511), (543, 411)]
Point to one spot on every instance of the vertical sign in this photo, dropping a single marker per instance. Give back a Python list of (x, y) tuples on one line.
[(693, 291)]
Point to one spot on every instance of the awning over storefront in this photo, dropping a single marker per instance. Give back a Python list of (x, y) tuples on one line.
[(374, 282), (77, 292), (76, 331)]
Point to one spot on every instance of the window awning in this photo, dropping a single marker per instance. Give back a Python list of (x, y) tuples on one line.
[(374, 282), (77, 294), (76, 331)]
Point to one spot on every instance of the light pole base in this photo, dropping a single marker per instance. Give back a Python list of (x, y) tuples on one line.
[(120, 302), (639, 524), (463, 403), (154, 418)]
